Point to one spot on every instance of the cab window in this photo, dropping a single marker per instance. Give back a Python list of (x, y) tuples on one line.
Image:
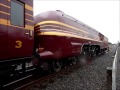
[(17, 13)]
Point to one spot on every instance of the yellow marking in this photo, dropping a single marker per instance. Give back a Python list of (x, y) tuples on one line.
[(51, 26), (4, 13), (3, 21), (7, 23), (29, 20), (4, 5), (65, 34), (60, 27), (58, 30), (29, 27), (19, 44), (28, 7), (29, 14), (59, 23)]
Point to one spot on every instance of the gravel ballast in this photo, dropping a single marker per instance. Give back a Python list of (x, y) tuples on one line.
[(89, 77)]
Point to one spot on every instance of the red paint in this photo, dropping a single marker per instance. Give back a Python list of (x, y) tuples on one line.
[(10, 34)]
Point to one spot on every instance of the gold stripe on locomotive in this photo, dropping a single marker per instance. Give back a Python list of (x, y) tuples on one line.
[(59, 23), (7, 22)]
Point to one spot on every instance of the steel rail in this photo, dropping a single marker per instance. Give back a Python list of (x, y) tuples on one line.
[(32, 83), (47, 77)]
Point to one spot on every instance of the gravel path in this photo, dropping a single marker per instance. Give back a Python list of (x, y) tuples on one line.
[(89, 77)]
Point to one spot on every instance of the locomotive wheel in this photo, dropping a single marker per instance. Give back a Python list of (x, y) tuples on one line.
[(74, 61), (83, 57), (97, 51), (35, 59), (102, 51), (93, 52), (56, 66)]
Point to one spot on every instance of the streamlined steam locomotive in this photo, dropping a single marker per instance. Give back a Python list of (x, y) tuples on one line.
[(59, 36)]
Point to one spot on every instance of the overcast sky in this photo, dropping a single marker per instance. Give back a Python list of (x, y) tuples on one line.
[(101, 15)]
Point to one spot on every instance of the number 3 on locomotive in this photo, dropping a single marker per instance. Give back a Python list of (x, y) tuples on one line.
[(18, 44)]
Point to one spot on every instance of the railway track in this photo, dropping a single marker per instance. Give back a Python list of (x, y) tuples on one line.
[(48, 78), (11, 85), (31, 80)]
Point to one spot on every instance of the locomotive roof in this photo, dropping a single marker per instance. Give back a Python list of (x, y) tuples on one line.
[(58, 13)]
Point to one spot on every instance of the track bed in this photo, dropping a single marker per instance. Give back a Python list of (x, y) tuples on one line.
[(91, 76)]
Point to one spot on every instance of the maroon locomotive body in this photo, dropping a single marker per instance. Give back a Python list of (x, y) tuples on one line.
[(60, 36), (16, 36), (16, 22)]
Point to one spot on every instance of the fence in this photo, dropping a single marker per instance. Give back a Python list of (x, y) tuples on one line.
[(111, 73)]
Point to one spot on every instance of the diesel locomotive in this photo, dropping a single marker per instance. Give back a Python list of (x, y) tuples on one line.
[(45, 41)]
